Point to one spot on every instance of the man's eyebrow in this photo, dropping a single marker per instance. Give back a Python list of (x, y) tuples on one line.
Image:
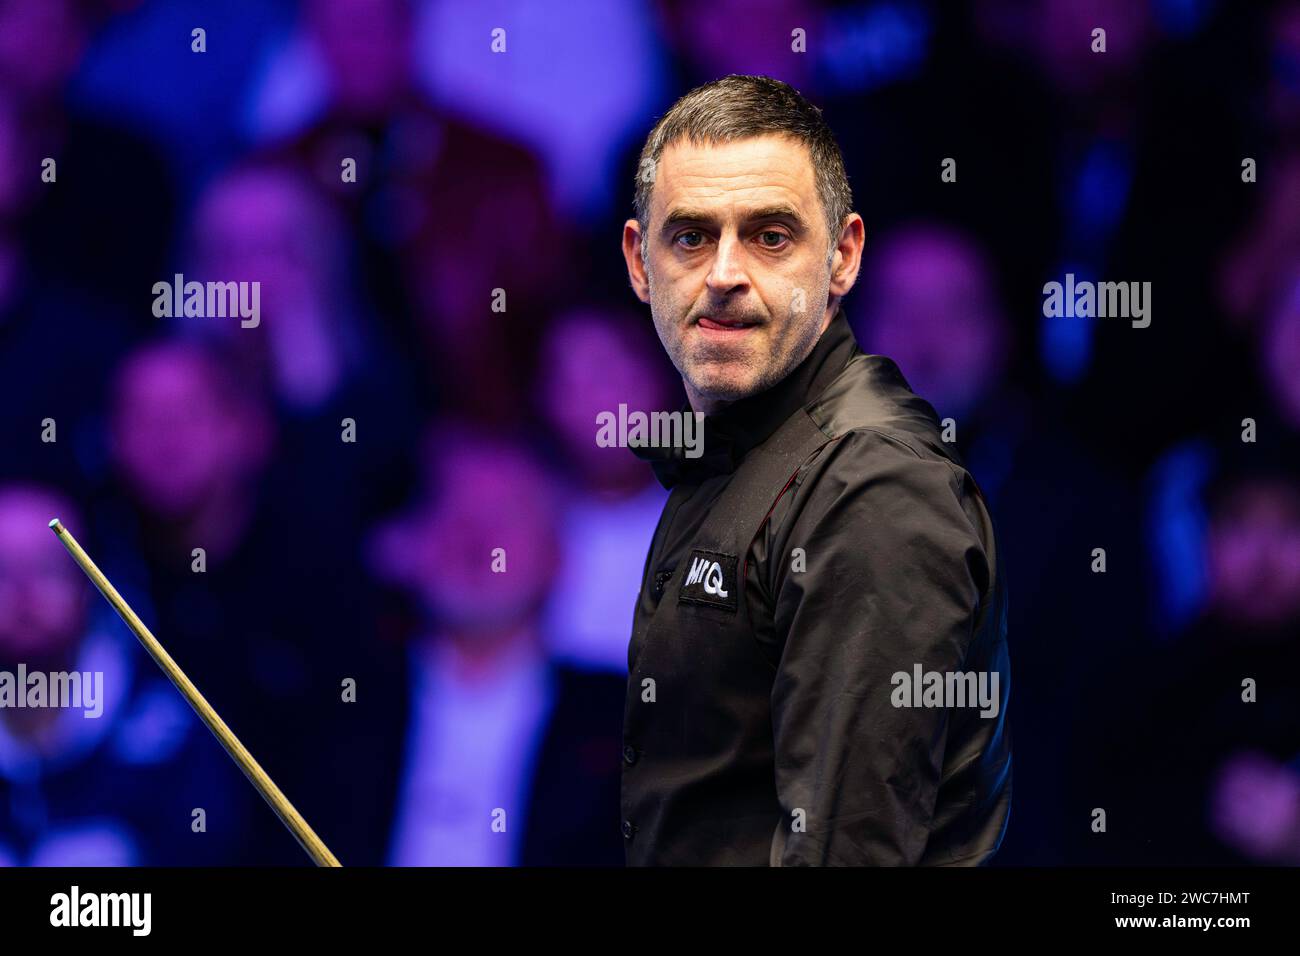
[(684, 214)]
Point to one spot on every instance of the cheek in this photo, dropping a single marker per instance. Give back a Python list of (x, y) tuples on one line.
[(792, 332), (662, 299), (667, 328)]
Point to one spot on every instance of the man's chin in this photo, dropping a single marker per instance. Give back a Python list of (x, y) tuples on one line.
[(723, 386)]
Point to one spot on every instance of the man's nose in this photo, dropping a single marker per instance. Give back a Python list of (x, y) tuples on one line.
[(728, 272)]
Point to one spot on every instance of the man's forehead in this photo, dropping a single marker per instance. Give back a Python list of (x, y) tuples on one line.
[(747, 174)]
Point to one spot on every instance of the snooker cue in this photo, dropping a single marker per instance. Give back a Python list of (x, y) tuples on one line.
[(290, 817)]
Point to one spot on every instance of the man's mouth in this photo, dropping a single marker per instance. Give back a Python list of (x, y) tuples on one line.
[(724, 325)]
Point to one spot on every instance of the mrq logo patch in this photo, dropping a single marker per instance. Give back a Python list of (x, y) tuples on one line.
[(710, 579)]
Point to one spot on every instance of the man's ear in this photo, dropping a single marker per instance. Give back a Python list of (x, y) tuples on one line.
[(636, 271), (848, 255)]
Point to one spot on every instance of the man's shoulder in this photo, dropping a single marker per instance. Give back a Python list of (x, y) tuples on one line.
[(869, 409), (889, 458)]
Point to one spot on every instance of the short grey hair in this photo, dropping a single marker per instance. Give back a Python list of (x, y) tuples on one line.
[(740, 107)]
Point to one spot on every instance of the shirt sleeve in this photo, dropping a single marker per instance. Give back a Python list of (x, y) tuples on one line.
[(892, 576)]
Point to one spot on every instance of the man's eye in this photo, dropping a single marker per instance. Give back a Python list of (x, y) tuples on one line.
[(771, 238), (689, 245)]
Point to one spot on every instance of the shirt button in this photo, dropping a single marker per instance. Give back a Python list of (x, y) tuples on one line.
[(661, 579), (629, 754), (628, 829)]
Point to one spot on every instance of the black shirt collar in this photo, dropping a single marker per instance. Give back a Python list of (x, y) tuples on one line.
[(731, 433)]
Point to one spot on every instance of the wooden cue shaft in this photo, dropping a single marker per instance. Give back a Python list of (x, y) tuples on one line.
[(290, 817)]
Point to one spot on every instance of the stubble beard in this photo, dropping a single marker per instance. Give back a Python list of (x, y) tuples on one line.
[(721, 375)]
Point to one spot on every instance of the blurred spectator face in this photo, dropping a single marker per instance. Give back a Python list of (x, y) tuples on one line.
[(180, 436), (267, 225), (1254, 555), (42, 593), (488, 495), (367, 44), (930, 307), (1281, 353), (40, 44), (589, 366), (1255, 806)]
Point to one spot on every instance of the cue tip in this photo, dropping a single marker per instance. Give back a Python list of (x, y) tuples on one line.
[(56, 526)]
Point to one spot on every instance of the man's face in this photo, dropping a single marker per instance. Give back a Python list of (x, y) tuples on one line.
[(736, 272)]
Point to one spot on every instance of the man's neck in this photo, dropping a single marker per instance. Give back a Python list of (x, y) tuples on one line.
[(702, 403)]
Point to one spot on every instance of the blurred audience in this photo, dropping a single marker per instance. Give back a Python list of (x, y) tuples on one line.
[(445, 213), (434, 229), (509, 757), (116, 784), (593, 361), (258, 622), (317, 349), (1222, 704)]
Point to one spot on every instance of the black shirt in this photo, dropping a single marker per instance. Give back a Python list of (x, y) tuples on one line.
[(826, 550)]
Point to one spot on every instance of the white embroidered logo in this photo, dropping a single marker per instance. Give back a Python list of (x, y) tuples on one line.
[(708, 572)]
